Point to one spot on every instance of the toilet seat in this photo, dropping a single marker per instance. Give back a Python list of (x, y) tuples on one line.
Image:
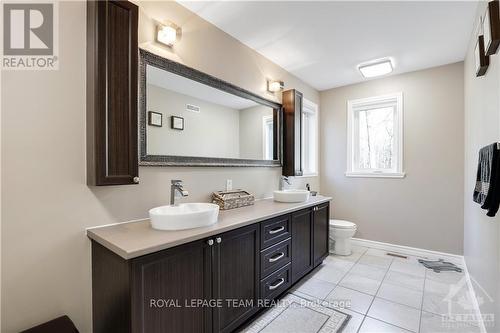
[(342, 224)]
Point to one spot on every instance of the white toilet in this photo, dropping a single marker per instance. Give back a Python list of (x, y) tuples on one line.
[(341, 233)]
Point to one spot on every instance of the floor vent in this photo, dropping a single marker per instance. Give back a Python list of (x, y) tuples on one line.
[(397, 255)]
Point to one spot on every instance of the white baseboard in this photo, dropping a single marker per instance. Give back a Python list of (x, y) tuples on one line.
[(405, 249)]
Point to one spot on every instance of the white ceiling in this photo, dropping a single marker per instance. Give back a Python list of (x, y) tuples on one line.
[(323, 42)]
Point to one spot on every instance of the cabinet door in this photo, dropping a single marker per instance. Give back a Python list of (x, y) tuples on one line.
[(302, 259), (165, 283), (292, 133), (112, 53), (321, 229), (236, 277)]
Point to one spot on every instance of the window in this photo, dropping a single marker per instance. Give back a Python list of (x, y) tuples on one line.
[(267, 140), (309, 138), (375, 137)]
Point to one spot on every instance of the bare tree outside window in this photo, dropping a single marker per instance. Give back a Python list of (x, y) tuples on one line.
[(376, 138)]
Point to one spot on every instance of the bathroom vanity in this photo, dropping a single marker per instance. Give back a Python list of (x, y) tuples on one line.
[(215, 277), (210, 279)]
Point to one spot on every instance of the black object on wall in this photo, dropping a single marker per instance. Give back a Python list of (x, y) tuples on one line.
[(482, 60), (292, 133), (492, 28), (112, 63)]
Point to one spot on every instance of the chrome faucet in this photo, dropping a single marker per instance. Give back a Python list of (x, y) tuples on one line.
[(284, 180), (176, 186)]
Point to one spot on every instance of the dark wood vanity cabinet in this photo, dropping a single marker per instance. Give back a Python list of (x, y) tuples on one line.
[(292, 133), (224, 267), (112, 67), (164, 283), (174, 290), (235, 277), (321, 233), (142, 294), (302, 243), (170, 290)]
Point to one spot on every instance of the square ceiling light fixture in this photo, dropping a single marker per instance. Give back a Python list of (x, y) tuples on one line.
[(376, 68)]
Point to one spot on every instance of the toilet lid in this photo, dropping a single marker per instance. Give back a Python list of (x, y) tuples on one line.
[(341, 224)]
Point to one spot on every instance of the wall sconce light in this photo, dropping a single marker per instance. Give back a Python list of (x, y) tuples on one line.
[(167, 34), (275, 86)]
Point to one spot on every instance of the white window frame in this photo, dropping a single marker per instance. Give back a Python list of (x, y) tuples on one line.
[(353, 106), (313, 107), (266, 120)]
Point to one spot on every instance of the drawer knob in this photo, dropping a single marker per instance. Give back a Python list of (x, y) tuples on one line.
[(218, 240), (210, 242), (277, 284), (277, 257), (276, 230)]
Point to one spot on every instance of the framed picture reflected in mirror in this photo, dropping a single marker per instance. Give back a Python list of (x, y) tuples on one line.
[(155, 119), (177, 123)]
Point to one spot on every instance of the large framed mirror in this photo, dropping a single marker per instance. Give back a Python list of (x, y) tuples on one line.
[(189, 118)]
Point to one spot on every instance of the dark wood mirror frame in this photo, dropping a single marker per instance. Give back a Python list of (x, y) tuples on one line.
[(148, 58)]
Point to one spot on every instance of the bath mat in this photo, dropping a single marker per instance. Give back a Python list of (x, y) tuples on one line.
[(296, 314), (440, 265)]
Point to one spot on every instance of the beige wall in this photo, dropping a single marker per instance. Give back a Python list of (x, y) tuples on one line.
[(424, 209), (213, 132), (482, 127), (46, 204)]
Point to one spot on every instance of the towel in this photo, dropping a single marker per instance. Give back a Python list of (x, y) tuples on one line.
[(487, 190)]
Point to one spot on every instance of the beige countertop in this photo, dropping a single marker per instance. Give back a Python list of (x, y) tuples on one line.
[(134, 239)]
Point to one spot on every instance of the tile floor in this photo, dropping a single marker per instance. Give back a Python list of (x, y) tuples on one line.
[(389, 294)]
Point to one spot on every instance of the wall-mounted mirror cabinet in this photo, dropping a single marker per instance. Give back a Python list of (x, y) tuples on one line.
[(112, 93), (189, 118), (292, 133)]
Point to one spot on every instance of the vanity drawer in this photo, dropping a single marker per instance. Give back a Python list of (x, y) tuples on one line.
[(274, 231), (276, 283), (275, 257)]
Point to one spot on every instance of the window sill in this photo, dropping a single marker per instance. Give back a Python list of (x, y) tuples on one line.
[(376, 174)]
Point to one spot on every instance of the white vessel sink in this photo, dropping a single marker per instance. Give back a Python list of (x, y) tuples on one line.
[(183, 216), (291, 195)]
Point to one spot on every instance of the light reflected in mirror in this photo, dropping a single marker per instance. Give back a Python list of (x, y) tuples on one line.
[(191, 119)]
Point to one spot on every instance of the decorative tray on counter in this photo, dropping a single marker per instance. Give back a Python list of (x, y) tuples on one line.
[(232, 199)]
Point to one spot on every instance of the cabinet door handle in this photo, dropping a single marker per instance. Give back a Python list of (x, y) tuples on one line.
[(218, 240), (275, 230), (276, 285), (277, 257), (210, 242)]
